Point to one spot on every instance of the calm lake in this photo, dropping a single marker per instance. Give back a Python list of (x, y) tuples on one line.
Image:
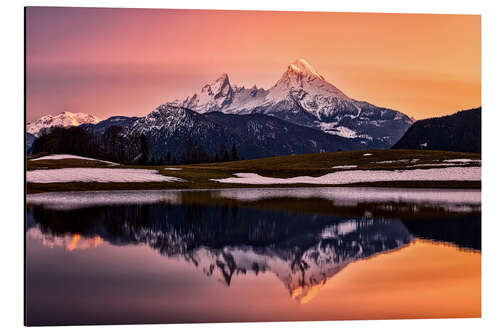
[(124, 257)]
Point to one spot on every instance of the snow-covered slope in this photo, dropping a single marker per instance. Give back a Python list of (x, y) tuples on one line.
[(169, 127), (304, 97), (303, 85), (170, 119), (212, 97), (102, 126), (63, 119)]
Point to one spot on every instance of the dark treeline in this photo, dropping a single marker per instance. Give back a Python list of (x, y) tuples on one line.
[(194, 153), (460, 131), (72, 140), (114, 146)]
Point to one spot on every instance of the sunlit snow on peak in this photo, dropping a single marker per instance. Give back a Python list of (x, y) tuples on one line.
[(302, 66), (63, 119)]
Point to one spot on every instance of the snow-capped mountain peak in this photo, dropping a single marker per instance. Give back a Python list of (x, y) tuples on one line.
[(212, 97), (304, 97), (303, 67), (219, 87), (300, 81), (63, 119)]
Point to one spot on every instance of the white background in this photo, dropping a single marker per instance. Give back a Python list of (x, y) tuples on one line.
[(11, 145)]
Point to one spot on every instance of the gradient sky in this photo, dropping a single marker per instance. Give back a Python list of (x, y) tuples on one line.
[(128, 61)]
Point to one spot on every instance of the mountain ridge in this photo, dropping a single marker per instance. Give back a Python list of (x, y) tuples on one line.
[(169, 127), (305, 114), (304, 97), (460, 131), (63, 119)]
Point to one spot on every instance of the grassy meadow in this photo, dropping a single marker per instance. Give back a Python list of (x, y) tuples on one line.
[(199, 176)]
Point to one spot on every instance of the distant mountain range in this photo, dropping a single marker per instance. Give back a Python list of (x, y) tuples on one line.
[(302, 96), (169, 127), (100, 127), (457, 132), (301, 113), (63, 119)]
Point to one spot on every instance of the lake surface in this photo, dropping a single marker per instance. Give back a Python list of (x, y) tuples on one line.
[(124, 257)]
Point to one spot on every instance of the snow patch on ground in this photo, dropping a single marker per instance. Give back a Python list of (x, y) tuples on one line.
[(344, 167), (427, 165), (100, 175), (68, 156), (363, 176), (453, 162), (368, 154), (462, 160), (173, 169), (395, 161)]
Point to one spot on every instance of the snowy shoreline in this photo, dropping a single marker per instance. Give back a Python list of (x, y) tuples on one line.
[(362, 176), (451, 199)]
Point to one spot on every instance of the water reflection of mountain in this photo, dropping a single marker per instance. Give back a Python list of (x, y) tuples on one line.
[(302, 250)]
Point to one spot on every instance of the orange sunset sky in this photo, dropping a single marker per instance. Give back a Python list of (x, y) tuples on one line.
[(128, 61)]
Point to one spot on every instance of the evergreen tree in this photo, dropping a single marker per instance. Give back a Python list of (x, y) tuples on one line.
[(187, 156), (144, 150), (160, 161), (153, 161), (234, 153), (223, 153), (169, 157), (194, 153)]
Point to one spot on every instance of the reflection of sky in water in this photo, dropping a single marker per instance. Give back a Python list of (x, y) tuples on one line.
[(182, 252)]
